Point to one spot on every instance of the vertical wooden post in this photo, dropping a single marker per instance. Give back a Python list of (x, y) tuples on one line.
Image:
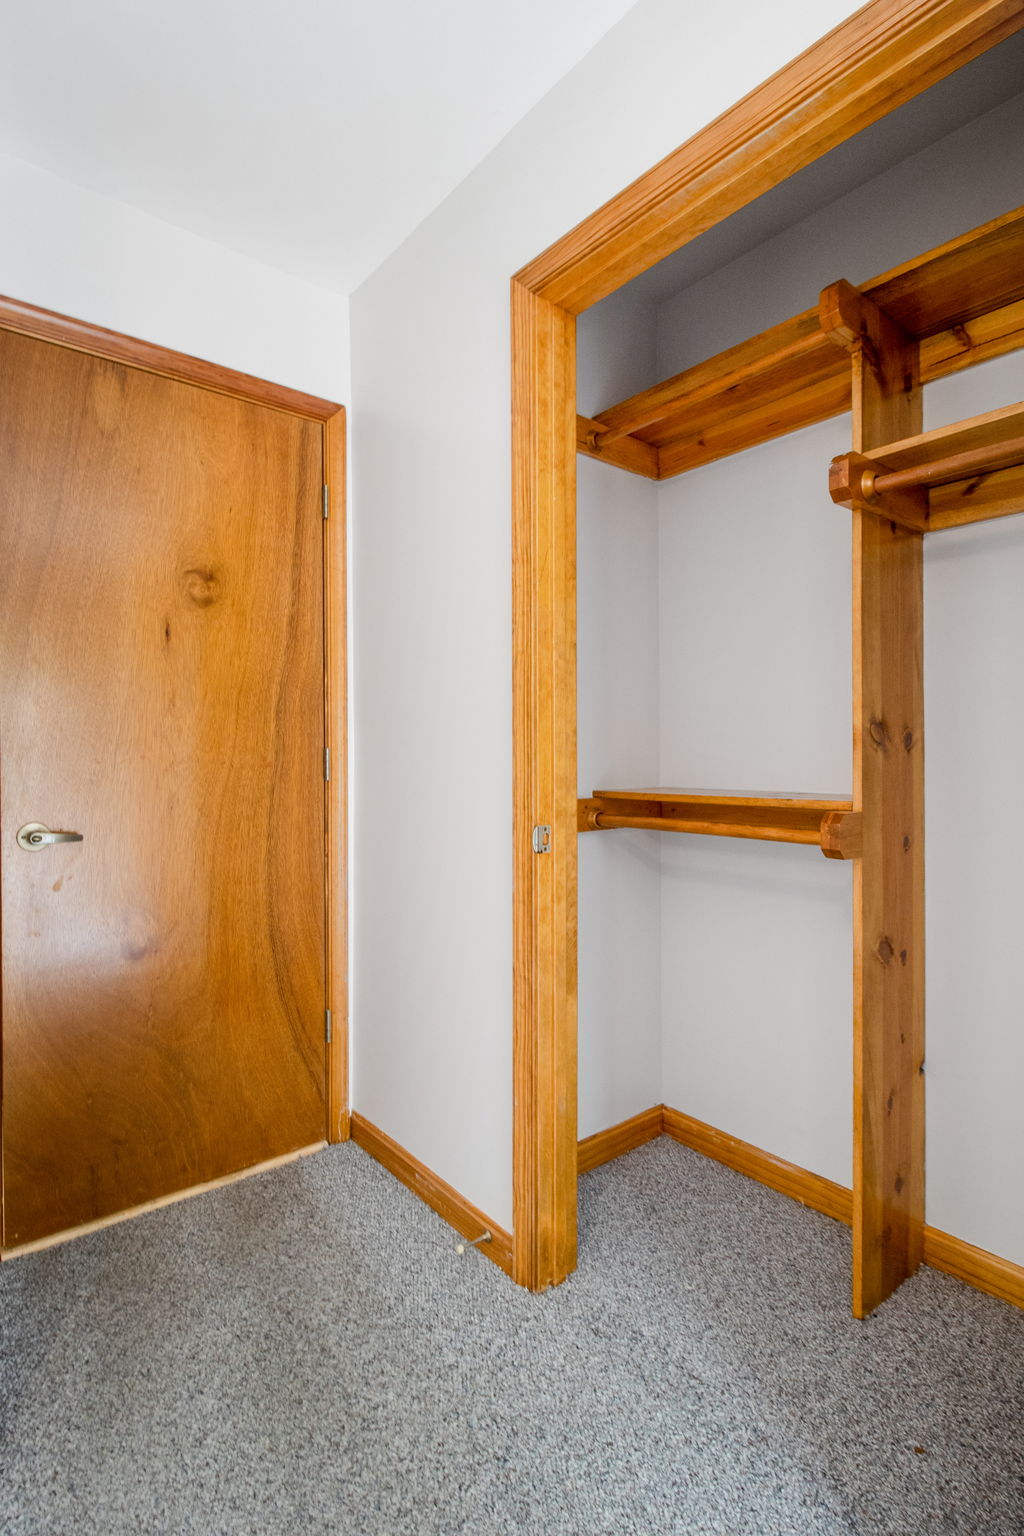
[(888, 790), (544, 774)]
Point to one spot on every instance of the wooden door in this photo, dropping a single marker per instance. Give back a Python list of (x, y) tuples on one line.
[(161, 693)]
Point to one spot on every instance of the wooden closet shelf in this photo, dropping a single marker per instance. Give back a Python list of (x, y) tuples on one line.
[(962, 473), (827, 822), (964, 301)]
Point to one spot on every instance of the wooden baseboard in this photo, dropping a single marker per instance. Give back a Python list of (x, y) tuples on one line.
[(70, 1233), (441, 1197), (624, 1137), (975, 1266), (984, 1270), (809, 1188)]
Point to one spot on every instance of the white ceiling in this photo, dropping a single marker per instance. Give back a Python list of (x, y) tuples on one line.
[(314, 135)]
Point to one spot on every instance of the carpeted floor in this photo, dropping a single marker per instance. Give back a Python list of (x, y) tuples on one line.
[(305, 1352)]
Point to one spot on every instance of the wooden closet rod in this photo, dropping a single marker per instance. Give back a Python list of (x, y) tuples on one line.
[(603, 819), (959, 466)]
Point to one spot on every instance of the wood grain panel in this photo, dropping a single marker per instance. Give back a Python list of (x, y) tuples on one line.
[(452, 1207), (161, 634), (544, 789)]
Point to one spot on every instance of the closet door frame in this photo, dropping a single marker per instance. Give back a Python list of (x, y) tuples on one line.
[(875, 61), (95, 340)]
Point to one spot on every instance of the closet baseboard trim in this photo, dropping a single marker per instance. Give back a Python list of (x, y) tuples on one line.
[(953, 1255), (452, 1207), (975, 1266), (788, 1178), (619, 1139)]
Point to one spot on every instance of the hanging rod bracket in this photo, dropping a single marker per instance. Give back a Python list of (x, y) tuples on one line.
[(858, 482)]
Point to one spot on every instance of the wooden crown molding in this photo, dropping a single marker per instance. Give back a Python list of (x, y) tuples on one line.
[(879, 58), (80, 336)]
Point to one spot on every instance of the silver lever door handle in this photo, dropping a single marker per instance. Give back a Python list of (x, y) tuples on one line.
[(34, 835)]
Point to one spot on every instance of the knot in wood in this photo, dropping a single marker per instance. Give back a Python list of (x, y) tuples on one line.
[(879, 734), (869, 353), (201, 586), (885, 950)]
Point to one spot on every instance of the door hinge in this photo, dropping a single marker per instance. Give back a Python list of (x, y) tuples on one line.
[(327, 1025), (327, 765), (327, 502), (542, 839)]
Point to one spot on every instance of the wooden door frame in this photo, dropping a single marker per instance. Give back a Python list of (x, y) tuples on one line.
[(79, 336), (880, 57)]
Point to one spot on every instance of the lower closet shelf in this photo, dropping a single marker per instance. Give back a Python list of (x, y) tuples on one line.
[(827, 822)]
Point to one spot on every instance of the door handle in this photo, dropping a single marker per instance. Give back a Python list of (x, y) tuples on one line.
[(34, 835)]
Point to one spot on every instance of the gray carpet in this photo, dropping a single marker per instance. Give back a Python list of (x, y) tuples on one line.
[(306, 1352)]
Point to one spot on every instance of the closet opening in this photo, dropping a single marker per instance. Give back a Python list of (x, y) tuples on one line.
[(687, 669)]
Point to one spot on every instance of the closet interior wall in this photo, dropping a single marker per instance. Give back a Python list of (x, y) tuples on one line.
[(734, 594), (618, 726)]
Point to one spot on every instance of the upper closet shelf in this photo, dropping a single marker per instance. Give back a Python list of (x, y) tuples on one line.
[(825, 821), (963, 300)]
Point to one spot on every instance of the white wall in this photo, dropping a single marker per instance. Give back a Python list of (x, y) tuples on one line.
[(68, 249), (755, 664), (755, 690), (619, 736), (974, 726), (431, 545)]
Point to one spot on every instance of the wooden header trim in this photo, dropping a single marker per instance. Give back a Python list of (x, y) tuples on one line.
[(80, 336), (869, 65)]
